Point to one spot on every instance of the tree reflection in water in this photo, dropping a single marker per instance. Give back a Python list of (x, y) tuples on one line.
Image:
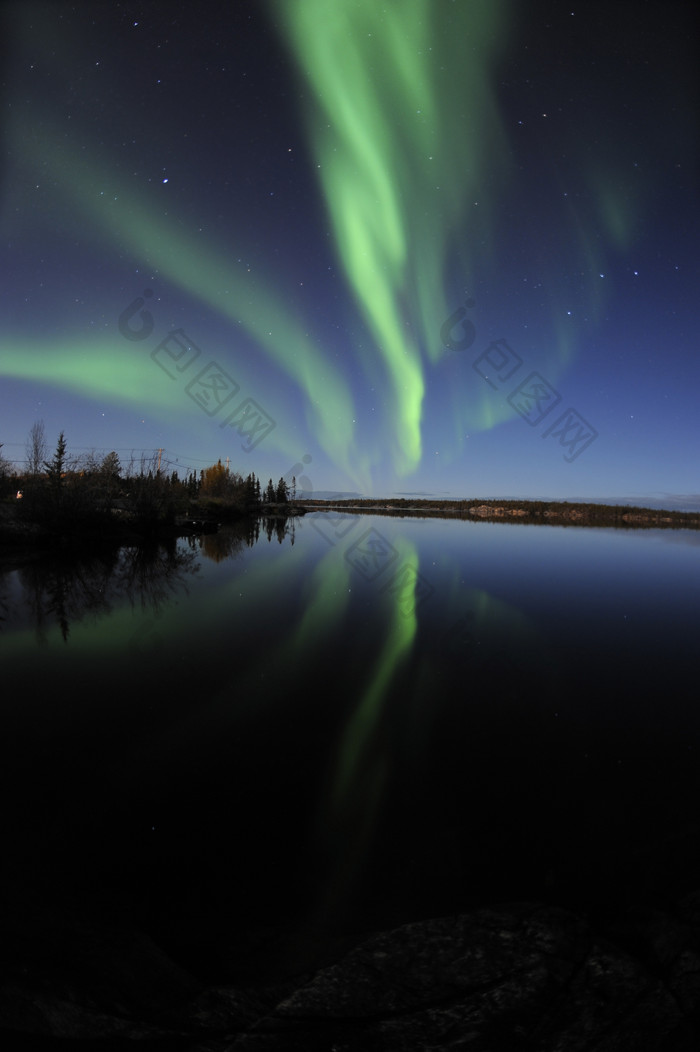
[(229, 542), (65, 588)]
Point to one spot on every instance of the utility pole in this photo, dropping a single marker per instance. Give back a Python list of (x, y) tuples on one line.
[(159, 453)]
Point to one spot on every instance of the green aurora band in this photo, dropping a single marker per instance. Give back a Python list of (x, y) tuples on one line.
[(384, 130), (203, 271), (360, 770), (405, 132)]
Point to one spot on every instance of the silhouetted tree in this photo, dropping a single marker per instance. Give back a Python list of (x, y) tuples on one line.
[(56, 468), (36, 448), (5, 473), (252, 489), (110, 466)]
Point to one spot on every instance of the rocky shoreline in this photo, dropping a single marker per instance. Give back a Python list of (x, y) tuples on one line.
[(527, 512)]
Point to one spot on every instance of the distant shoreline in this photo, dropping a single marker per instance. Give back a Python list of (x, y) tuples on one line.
[(525, 512)]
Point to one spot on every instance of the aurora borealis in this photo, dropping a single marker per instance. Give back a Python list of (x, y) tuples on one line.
[(307, 191)]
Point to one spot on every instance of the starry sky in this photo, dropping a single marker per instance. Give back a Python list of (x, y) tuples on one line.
[(415, 247)]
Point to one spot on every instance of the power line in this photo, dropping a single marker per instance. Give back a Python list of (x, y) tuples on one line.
[(168, 459), (148, 450), (97, 449)]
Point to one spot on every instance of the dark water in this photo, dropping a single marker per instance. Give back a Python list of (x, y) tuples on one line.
[(348, 724)]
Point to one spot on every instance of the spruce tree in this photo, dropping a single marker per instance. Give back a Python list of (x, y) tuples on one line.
[(55, 469)]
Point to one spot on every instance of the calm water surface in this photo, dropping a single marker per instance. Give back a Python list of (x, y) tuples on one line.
[(352, 721)]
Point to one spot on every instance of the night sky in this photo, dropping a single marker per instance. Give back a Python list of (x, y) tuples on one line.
[(414, 247)]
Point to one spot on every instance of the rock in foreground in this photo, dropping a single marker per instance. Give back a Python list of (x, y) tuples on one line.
[(516, 977), (513, 977)]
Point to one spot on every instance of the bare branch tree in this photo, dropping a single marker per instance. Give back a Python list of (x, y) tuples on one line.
[(37, 448)]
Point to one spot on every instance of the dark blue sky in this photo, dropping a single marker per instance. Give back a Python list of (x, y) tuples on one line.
[(308, 192)]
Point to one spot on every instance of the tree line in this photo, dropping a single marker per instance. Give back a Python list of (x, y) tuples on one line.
[(65, 486)]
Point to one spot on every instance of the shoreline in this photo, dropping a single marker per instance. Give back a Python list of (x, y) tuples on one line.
[(19, 532), (543, 513)]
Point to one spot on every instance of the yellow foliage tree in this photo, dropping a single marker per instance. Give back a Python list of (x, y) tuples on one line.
[(215, 481)]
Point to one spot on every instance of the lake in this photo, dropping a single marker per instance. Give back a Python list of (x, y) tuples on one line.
[(343, 722)]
